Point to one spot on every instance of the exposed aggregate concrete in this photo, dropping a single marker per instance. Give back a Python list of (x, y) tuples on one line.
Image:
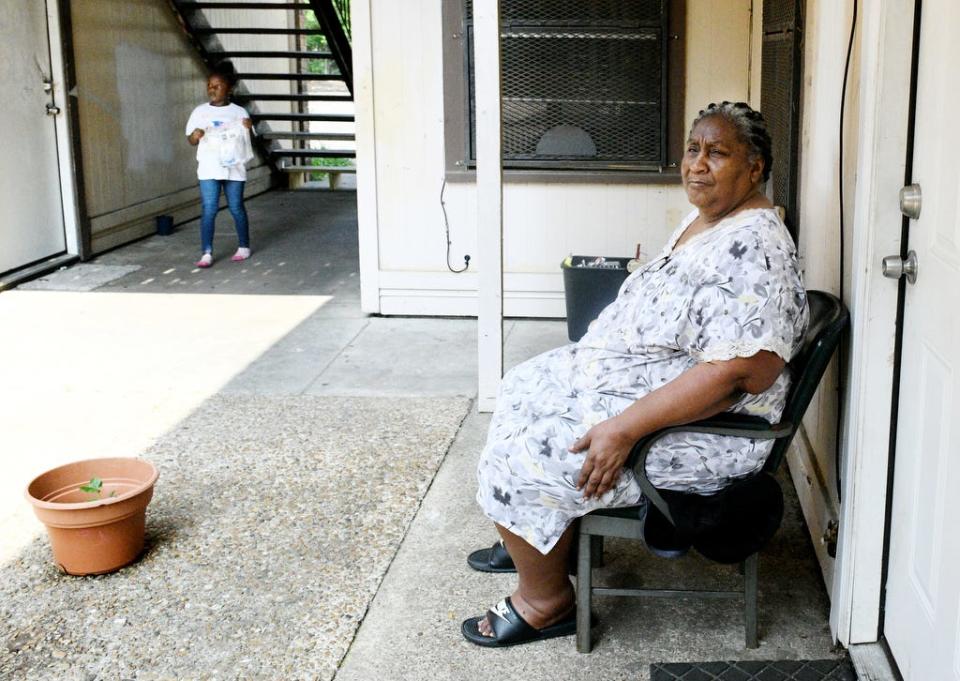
[(273, 523)]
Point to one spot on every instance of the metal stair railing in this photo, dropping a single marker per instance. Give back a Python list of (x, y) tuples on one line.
[(333, 23), (293, 97), (190, 25), (337, 41), (343, 9)]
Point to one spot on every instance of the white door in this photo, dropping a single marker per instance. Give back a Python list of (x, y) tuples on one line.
[(922, 616), (31, 212)]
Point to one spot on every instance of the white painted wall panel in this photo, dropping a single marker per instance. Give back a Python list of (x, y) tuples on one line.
[(543, 223), (718, 53)]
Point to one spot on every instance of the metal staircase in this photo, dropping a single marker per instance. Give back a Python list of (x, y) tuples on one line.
[(300, 96)]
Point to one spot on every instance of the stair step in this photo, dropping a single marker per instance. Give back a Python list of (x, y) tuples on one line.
[(292, 98), (312, 153), (329, 136), (290, 76), (260, 54), (223, 30), (338, 118), (243, 5), (318, 169)]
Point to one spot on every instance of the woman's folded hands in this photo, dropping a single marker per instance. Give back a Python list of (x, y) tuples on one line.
[(608, 445), (703, 390)]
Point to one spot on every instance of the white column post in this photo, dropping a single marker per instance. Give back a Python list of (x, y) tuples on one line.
[(486, 26), (65, 160), (365, 115)]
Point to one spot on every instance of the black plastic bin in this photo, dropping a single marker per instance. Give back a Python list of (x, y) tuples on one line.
[(589, 288), (164, 225)]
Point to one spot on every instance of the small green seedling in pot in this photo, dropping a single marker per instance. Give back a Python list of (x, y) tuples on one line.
[(95, 486)]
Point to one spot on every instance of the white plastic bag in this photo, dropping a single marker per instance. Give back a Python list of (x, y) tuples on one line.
[(233, 143)]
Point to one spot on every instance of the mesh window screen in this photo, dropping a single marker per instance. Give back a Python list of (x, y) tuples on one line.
[(584, 83), (780, 98), (776, 105), (779, 15)]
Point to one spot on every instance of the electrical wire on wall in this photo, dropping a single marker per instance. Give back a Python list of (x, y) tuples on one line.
[(843, 103), (446, 225)]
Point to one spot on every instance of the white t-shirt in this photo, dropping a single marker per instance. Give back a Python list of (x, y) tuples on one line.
[(209, 118)]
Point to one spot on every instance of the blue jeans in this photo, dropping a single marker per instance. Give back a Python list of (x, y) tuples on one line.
[(210, 200)]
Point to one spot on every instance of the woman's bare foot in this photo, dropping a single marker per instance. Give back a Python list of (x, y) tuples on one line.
[(538, 614)]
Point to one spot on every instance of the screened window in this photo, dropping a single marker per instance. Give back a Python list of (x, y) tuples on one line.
[(584, 84), (782, 61)]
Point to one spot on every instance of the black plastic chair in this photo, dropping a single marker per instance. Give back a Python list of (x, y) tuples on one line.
[(828, 319)]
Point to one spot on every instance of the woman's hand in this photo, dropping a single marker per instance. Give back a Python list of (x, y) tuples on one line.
[(699, 392), (609, 444), (195, 136), (247, 123)]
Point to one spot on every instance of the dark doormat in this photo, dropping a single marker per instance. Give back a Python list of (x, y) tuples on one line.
[(765, 670)]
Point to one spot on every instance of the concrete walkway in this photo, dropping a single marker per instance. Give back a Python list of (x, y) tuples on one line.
[(287, 323), (412, 628)]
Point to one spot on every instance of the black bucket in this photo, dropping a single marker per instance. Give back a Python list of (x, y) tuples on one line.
[(164, 225), (589, 285)]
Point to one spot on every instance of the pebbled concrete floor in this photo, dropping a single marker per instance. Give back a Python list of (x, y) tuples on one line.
[(272, 524)]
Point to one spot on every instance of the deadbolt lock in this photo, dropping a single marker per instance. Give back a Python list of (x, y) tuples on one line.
[(911, 200)]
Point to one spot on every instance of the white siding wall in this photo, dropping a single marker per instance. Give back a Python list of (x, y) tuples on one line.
[(543, 223)]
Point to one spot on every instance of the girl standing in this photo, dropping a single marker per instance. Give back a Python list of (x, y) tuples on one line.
[(218, 168)]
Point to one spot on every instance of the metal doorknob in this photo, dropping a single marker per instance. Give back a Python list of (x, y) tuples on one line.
[(895, 267), (911, 200)]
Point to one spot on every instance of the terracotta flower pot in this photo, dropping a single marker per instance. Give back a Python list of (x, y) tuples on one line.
[(93, 534)]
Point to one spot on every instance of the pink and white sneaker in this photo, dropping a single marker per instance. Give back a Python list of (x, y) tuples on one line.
[(241, 255), (205, 261)]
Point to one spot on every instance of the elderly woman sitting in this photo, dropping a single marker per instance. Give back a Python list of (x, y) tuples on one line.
[(704, 327)]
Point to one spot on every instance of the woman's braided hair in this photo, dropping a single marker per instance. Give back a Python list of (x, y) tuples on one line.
[(750, 126)]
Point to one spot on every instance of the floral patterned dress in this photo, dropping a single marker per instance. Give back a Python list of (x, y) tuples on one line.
[(730, 291)]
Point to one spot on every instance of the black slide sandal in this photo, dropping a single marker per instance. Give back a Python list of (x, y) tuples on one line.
[(494, 559), (511, 629)]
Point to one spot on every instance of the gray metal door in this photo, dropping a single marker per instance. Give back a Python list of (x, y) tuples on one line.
[(31, 211)]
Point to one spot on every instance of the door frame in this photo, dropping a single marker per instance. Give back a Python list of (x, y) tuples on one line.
[(885, 87), (66, 124)]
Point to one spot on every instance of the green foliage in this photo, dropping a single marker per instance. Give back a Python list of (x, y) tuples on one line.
[(327, 163), (343, 10), (330, 162), (316, 43), (95, 486)]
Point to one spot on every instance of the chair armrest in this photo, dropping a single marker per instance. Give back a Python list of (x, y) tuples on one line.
[(735, 425)]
